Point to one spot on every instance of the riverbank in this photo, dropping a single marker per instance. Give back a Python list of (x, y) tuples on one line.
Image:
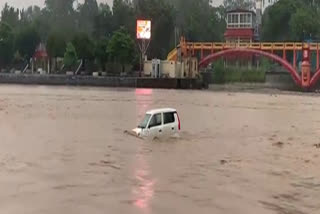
[(281, 81), (256, 88), (274, 81), (128, 82), (233, 87)]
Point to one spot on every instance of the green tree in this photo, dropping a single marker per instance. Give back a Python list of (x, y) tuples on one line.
[(26, 42), (70, 56), (6, 45), (60, 7), (301, 18), (88, 11), (56, 46), (10, 15), (121, 48), (304, 25), (315, 4), (124, 16), (217, 24), (41, 21), (62, 17), (101, 53), (103, 22), (275, 20), (30, 14), (84, 47), (198, 20)]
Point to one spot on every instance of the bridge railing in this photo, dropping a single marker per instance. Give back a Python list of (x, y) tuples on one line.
[(172, 54), (252, 45), (265, 46)]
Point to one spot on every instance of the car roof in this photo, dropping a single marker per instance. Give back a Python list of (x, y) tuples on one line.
[(160, 110)]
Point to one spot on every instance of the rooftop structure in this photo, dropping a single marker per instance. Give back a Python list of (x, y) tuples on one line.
[(241, 25)]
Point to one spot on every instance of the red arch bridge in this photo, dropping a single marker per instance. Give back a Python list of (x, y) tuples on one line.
[(210, 52)]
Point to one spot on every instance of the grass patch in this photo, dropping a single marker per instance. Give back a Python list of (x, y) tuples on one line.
[(223, 75)]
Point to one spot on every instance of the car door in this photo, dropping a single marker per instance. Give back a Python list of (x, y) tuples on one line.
[(155, 126), (169, 125)]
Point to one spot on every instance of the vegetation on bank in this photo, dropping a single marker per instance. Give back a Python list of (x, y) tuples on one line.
[(234, 74), (104, 37)]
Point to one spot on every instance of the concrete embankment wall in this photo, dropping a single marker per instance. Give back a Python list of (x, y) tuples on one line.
[(280, 80), (130, 82), (275, 80)]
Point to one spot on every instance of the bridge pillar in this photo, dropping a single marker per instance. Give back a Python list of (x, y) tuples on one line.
[(193, 50), (294, 58), (317, 56), (201, 52), (284, 54), (305, 67)]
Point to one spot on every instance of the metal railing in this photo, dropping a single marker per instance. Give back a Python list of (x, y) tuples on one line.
[(265, 46), (251, 45)]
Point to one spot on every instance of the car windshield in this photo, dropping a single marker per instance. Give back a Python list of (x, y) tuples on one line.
[(145, 121)]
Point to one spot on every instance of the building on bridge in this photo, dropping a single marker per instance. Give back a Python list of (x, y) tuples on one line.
[(241, 26)]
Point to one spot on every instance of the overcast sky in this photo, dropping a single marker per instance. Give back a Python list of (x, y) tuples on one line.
[(217, 2), (26, 3)]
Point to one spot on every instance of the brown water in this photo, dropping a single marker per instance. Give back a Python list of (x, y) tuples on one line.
[(63, 150)]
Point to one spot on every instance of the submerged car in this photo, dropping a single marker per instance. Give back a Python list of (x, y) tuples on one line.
[(159, 123)]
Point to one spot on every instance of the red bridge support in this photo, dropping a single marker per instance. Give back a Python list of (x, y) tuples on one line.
[(305, 67)]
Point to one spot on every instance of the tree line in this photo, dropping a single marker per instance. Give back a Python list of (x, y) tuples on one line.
[(292, 20), (98, 34)]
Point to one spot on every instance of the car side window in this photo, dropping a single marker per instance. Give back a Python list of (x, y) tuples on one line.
[(156, 120), (168, 118)]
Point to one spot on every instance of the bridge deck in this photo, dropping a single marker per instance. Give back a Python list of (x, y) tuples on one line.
[(265, 46), (254, 45)]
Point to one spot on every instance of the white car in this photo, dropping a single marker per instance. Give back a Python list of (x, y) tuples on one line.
[(159, 123)]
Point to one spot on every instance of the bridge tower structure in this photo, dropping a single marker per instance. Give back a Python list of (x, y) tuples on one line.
[(241, 28)]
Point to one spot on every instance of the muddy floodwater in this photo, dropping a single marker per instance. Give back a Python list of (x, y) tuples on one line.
[(63, 150)]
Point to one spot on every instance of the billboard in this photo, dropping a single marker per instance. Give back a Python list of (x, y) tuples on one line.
[(143, 29)]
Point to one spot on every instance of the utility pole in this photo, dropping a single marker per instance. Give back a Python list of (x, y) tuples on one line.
[(176, 35)]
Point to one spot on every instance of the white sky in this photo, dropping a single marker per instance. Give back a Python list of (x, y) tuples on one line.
[(215, 2), (26, 3)]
